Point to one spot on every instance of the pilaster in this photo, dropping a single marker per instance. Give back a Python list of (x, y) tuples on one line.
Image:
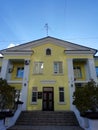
[(91, 68), (4, 69), (71, 80), (24, 91)]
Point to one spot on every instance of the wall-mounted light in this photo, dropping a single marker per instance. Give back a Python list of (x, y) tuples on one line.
[(27, 62)]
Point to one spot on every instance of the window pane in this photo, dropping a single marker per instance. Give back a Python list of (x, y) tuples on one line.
[(34, 99), (58, 67), (61, 97), (97, 71), (77, 72), (38, 67), (61, 94), (61, 89), (55, 68), (20, 72), (34, 94), (48, 51)]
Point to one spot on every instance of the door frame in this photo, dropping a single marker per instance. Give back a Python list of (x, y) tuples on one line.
[(51, 90)]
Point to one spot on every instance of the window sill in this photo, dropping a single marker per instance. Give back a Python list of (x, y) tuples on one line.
[(58, 74), (34, 103), (62, 103)]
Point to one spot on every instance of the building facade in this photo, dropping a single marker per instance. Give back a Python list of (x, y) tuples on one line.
[(47, 71)]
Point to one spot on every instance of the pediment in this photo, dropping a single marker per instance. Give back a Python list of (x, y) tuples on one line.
[(27, 47)]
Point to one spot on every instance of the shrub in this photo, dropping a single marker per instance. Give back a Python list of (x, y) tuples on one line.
[(7, 95), (85, 98)]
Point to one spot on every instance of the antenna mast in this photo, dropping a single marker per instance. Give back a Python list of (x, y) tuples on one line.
[(47, 28)]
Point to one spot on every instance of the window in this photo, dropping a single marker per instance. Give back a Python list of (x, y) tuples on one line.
[(97, 71), (34, 95), (77, 72), (58, 68), (48, 51), (20, 72), (61, 94), (0, 69), (38, 67)]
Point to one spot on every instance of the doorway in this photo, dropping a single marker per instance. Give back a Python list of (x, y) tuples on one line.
[(48, 99)]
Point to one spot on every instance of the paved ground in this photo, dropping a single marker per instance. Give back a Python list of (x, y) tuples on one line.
[(47, 128)]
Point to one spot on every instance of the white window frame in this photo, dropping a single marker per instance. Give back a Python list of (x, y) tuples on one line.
[(58, 67), (38, 67), (61, 92), (34, 90)]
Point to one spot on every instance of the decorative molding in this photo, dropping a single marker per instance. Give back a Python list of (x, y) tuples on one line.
[(78, 52), (48, 81), (14, 82)]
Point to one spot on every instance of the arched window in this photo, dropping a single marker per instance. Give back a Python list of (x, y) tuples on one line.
[(48, 51)]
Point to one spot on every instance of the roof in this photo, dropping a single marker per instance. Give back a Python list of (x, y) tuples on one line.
[(69, 46)]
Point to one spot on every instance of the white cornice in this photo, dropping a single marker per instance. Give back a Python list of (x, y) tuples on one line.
[(78, 52), (18, 52)]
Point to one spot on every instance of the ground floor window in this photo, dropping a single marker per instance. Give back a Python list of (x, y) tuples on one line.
[(61, 94), (34, 95)]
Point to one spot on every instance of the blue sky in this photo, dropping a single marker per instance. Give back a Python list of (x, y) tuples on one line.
[(72, 20)]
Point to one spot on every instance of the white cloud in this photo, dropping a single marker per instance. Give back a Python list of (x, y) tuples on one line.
[(11, 45), (1, 55)]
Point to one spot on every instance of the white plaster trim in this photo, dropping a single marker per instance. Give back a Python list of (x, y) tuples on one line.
[(78, 52), (14, 82)]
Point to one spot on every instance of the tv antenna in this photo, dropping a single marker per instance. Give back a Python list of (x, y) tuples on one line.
[(47, 28)]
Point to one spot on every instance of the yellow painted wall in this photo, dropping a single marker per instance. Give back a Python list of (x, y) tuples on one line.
[(61, 80), (57, 54), (17, 86)]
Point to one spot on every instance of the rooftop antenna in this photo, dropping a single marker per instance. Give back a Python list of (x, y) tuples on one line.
[(47, 28)]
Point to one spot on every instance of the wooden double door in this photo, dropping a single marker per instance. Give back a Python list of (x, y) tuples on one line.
[(48, 99)]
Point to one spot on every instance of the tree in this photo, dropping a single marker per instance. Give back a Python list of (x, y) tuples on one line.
[(7, 95), (86, 98)]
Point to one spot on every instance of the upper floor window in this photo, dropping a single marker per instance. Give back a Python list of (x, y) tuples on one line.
[(38, 67), (48, 51), (20, 72), (77, 72), (97, 71), (58, 68)]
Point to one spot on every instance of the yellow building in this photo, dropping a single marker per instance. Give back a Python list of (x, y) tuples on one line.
[(46, 72)]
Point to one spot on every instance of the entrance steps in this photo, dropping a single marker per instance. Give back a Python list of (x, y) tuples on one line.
[(31, 119)]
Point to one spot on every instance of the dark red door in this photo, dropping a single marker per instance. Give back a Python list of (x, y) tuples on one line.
[(48, 99)]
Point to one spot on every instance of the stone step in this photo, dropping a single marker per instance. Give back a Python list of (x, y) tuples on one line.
[(47, 118), (42, 120), (17, 127)]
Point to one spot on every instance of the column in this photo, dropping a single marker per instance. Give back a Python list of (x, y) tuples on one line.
[(4, 69), (24, 91), (92, 71), (71, 80)]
